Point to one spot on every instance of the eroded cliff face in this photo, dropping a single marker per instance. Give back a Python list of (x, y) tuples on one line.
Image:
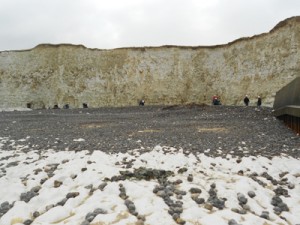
[(67, 74)]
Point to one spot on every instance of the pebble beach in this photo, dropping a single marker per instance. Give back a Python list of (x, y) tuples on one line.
[(190, 164)]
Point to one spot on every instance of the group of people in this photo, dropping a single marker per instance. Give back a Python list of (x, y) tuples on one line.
[(247, 101), (216, 100)]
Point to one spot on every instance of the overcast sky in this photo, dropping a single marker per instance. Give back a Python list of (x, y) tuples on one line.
[(109, 24)]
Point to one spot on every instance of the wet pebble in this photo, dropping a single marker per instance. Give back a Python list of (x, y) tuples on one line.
[(265, 215), (190, 178), (242, 199), (27, 222), (195, 190), (102, 186), (5, 207), (281, 191), (57, 184), (27, 196), (251, 194), (232, 222)]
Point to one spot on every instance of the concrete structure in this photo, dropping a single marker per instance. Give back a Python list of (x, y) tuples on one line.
[(287, 104), (49, 75)]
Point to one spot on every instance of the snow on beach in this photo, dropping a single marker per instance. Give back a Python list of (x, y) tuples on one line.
[(163, 186)]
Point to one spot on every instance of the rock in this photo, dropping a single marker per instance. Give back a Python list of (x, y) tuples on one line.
[(179, 181), (208, 206), (57, 183), (43, 180), (242, 199), (291, 186), (195, 190), (5, 207), (36, 189), (246, 207), (35, 214), (90, 217), (90, 186), (72, 195), (62, 202), (100, 211), (216, 202), (232, 222), (180, 221), (213, 186), (239, 160), (161, 194), (48, 207), (265, 215), (102, 186), (182, 170), (251, 194), (276, 200), (85, 222), (123, 195), (199, 200), (190, 178), (27, 196), (175, 216), (139, 222), (27, 222), (12, 164)]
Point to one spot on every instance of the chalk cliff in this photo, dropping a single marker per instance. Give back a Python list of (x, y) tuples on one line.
[(59, 74)]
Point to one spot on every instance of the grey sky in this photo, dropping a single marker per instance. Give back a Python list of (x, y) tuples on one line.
[(106, 24)]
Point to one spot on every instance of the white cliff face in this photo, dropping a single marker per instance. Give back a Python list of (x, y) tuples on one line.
[(69, 74)]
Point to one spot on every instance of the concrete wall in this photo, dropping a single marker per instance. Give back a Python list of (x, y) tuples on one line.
[(288, 95), (59, 74)]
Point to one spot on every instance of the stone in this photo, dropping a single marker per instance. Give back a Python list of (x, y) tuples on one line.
[(85, 222), (265, 215), (57, 183), (36, 214), (291, 186), (251, 194), (199, 200), (27, 196), (242, 199), (190, 178), (232, 222), (36, 189), (62, 202), (195, 190), (90, 217), (100, 211), (27, 222), (180, 221), (208, 206), (182, 170), (102, 186), (48, 207)]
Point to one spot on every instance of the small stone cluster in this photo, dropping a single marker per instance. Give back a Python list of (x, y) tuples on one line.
[(5, 207), (165, 190), (91, 216), (130, 205), (213, 198), (26, 196), (140, 173)]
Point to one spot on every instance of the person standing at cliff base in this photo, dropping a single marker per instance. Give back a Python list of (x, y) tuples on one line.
[(258, 101), (142, 102), (246, 100)]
